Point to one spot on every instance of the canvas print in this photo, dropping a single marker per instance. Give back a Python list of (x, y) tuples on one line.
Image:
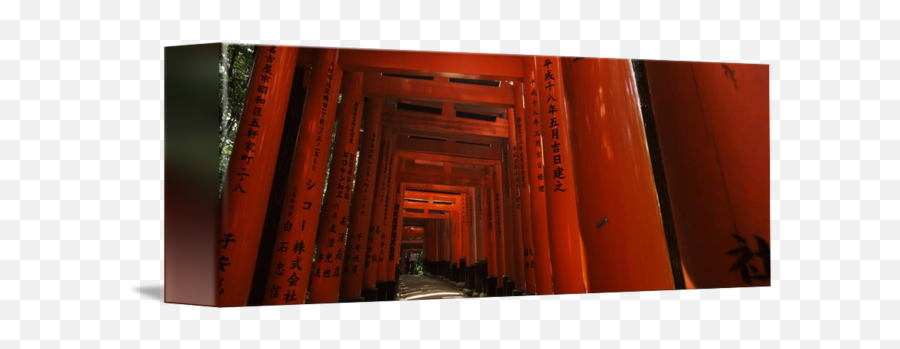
[(351, 175)]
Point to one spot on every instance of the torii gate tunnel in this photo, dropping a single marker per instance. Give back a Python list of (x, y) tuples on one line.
[(496, 175)]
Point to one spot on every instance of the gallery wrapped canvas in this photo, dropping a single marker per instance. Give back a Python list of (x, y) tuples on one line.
[(347, 175)]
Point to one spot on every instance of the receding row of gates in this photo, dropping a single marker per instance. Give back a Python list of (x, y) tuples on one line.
[(511, 175)]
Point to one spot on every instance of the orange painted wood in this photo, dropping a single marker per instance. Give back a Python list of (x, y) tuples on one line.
[(250, 170), (500, 222), (445, 64), (489, 232), (465, 227), (374, 256), (619, 214), (446, 92), (427, 206), (712, 122), (396, 236), (335, 219), (370, 274), (289, 271), (480, 227), (387, 224), (362, 209), (448, 145), (543, 269), (438, 123), (527, 249), (565, 238), (515, 255)]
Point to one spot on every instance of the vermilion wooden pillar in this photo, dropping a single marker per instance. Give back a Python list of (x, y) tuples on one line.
[(433, 243), (527, 250), (618, 209), (517, 257), (443, 241), (387, 225), (454, 230), (250, 169), (543, 269), (565, 238), (290, 268), (502, 228), (374, 252), (478, 226), (397, 234), (481, 268), (474, 248), (427, 253), (712, 122), (389, 266), (465, 222), (490, 231), (384, 285), (335, 219), (448, 242), (363, 203)]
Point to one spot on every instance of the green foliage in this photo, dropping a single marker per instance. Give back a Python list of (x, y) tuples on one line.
[(235, 69)]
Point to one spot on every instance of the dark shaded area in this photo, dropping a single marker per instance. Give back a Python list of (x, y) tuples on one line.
[(428, 138), (419, 108), (491, 83), (154, 292), (476, 116), (659, 174), (405, 76), (191, 111)]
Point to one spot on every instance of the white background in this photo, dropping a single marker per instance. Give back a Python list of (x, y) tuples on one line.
[(81, 173)]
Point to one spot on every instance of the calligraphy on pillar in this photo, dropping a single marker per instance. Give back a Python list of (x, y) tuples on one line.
[(292, 243), (499, 224), (537, 147), (355, 239), (551, 105), (395, 220), (256, 105)]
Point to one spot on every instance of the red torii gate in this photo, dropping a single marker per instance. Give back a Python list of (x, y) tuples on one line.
[(530, 185)]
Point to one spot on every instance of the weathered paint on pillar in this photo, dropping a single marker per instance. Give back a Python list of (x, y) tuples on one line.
[(527, 250), (289, 272), (363, 202), (712, 122), (618, 207), (565, 238), (250, 170), (334, 221), (543, 269), (513, 183)]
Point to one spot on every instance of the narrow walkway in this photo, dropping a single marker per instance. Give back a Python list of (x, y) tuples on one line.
[(418, 287)]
